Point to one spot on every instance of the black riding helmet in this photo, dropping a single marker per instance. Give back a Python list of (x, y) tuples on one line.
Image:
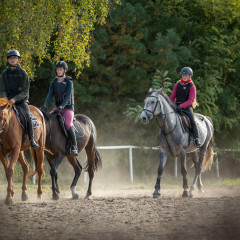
[(61, 64), (13, 52), (186, 70)]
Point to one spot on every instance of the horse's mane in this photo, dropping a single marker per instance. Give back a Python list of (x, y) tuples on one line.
[(165, 96), (47, 116)]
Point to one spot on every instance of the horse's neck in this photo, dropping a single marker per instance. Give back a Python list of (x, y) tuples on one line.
[(167, 117)]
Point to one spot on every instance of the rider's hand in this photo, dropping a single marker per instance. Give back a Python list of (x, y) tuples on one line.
[(12, 101), (178, 108), (57, 111), (44, 109)]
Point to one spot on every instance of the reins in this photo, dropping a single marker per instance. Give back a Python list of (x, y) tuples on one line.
[(2, 129), (162, 114)]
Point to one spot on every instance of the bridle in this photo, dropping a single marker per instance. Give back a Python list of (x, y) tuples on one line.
[(2, 142), (161, 114)]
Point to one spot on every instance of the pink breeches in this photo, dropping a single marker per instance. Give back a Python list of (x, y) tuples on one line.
[(68, 114)]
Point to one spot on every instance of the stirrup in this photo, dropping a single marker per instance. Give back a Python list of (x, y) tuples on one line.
[(74, 151)]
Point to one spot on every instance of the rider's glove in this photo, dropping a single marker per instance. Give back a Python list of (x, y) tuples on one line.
[(57, 111), (44, 109)]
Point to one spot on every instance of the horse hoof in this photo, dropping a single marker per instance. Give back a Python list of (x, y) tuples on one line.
[(200, 191), (55, 197), (9, 201), (185, 194), (75, 196), (87, 196), (156, 194), (24, 197), (190, 195)]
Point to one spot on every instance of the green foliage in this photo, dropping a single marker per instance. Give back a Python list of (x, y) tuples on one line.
[(49, 29)]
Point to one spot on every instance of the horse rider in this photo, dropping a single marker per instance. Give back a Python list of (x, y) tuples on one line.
[(14, 86), (184, 93), (62, 89)]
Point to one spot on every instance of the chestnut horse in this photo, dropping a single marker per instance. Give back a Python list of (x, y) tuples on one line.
[(55, 151), (11, 136)]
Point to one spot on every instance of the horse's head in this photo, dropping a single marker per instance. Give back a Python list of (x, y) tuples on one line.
[(4, 106), (152, 106)]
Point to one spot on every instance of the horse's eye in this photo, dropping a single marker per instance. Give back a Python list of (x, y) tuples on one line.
[(152, 102)]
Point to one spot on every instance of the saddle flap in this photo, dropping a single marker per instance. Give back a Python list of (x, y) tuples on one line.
[(21, 117), (76, 126)]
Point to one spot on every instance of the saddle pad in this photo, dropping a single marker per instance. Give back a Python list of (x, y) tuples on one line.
[(76, 126), (78, 129), (34, 119)]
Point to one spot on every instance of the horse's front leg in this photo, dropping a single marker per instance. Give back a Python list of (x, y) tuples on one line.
[(10, 171), (163, 160), (53, 173), (25, 168), (182, 157)]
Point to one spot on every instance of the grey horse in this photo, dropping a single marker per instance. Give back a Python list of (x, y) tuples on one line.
[(175, 140)]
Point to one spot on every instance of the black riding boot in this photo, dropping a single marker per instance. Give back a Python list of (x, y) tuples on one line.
[(31, 134), (196, 136), (74, 149)]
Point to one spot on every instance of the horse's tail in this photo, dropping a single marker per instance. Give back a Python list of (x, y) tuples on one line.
[(96, 156), (208, 159), (98, 160)]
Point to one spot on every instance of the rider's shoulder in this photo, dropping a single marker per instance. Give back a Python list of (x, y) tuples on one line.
[(68, 79)]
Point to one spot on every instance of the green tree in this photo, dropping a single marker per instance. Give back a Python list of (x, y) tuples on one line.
[(49, 29)]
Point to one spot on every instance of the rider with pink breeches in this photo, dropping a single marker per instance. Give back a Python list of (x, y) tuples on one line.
[(62, 89)]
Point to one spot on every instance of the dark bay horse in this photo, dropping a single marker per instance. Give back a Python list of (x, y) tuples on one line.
[(55, 151), (174, 140), (11, 136)]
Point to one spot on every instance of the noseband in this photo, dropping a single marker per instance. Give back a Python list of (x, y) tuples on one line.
[(152, 112)]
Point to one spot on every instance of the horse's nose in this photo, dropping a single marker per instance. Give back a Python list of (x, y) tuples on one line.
[(144, 119)]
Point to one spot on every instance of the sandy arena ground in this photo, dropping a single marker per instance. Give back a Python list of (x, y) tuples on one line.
[(124, 214)]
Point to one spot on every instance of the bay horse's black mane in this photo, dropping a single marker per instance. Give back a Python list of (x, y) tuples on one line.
[(165, 96)]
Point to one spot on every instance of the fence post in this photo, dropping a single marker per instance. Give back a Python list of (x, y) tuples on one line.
[(34, 176), (131, 164), (217, 165), (175, 167)]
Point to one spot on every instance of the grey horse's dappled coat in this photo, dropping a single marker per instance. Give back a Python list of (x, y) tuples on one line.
[(174, 140)]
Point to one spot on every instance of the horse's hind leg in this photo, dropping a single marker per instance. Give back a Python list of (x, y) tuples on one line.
[(195, 162), (25, 168), (184, 174), (39, 168), (77, 168), (202, 154), (90, 158)]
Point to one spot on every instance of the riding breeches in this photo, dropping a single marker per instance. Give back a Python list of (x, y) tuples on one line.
[(189, 112), (26, 110), (68, 115)]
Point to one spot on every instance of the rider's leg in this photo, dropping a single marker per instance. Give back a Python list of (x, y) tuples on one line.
[(189, 112), (68, 115), (30, 130)]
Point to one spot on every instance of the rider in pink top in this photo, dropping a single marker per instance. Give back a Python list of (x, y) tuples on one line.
[(184, 94)]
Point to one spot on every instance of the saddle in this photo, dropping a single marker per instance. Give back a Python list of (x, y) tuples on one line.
[(76, 125), (185, 121), (21, 117)]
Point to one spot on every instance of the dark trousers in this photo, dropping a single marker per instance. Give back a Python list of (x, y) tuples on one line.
[(25, 108), (189, 112)]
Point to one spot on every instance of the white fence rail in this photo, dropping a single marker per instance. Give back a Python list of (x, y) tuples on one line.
[(130, 149)]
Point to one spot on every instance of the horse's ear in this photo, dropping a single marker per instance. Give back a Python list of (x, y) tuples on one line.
[(3, 106), (159, 90), (150, 90)]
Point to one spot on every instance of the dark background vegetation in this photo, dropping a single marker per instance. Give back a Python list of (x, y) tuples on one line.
[(141, 38)]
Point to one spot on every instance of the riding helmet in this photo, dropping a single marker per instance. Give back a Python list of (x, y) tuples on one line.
[(61, 64), (186, 70), (13, 52)]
